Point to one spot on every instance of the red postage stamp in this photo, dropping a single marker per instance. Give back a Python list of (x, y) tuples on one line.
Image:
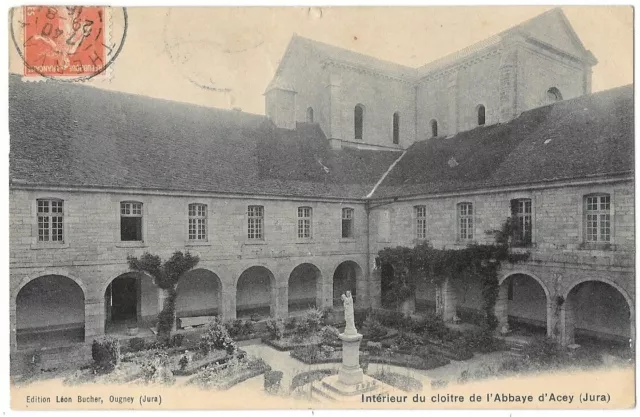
[(64, 41)]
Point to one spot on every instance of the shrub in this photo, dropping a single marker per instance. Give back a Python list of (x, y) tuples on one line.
[(373, 329), (360, 315), (290, 323), (275, 327), (136, 344), (393, 319), (248, 326), (156, 369), (306, 353), (329, 335), (439, 383), (403, 382), (434, 327), (364, 362), (239, 327), (216, 337), (543, 351), (483, 342), (512, 365), (314, 319), (327, 351), (106, 354), (408, 341), (177, 340), (375, 348), (184, 361), (272, 381)]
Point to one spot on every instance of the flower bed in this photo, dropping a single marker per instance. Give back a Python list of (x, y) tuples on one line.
[(305, 378), (223, 377), (312, 356), (403, 382)]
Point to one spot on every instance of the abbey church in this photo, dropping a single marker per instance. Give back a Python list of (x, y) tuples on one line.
[(287, 211)]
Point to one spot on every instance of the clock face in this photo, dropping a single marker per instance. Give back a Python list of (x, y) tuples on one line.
[(66, 42)]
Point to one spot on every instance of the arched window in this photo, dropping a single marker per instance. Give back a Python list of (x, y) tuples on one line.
[(553, 95), (396, 127), (481, 115), (434, 128), (358, 120), (310, 115)]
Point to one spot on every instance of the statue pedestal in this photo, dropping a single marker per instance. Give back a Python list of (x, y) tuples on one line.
[(350, 372)]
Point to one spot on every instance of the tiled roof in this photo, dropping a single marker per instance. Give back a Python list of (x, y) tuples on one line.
[(584, 137), (78, 136)]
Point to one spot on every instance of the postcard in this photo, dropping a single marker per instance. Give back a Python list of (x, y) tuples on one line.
[(229, 208)]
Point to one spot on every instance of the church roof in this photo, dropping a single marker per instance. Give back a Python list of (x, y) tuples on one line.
[(587, 137), (75, 136)]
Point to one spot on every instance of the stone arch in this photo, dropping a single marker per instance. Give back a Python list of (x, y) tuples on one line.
[(523, 301), (553, 95), (309, 115), (596, 314), (346, 277), (256, 292), (49, 311), (130, 299), (199, 294), (304, 287), (62, 272)]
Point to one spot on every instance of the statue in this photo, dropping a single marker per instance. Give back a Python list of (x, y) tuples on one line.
[(348, 314)]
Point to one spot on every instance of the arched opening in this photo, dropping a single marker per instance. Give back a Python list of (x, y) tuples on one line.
[(310, 115), (358, 121), (434, 128), (305, 288), (345, 278), (386, 285), (49, 312), (199, 294), (130, 300), (596, 313), (396, 128), (553, 95), (481, 115), (255, 293), (522, 306)]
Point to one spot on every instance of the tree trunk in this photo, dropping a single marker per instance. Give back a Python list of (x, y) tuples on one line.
[(167, 317)]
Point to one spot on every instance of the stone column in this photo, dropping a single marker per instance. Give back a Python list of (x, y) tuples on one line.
[(350, 372), (327, 290), (280, 301), (362, 287), (93, 319), (162, 295), (502, 307), (448, 300), (228, 307), (375, 289), (567, 324)]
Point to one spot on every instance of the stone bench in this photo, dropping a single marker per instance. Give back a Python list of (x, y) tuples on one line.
[(188, 322)]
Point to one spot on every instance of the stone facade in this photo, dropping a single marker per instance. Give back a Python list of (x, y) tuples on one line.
[(92, 254), (560, 259)]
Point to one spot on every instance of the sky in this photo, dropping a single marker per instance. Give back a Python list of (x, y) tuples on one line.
[(225, 57)]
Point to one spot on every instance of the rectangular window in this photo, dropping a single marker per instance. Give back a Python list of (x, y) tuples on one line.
[(465, 221), (255, 225), (598, 218), (304, 222), (421, 221), (347, 222), (50, 221), (522, 221), (130, 221), (198, 222)]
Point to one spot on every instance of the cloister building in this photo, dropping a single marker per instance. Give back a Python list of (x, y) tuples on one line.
[(287, 211)]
